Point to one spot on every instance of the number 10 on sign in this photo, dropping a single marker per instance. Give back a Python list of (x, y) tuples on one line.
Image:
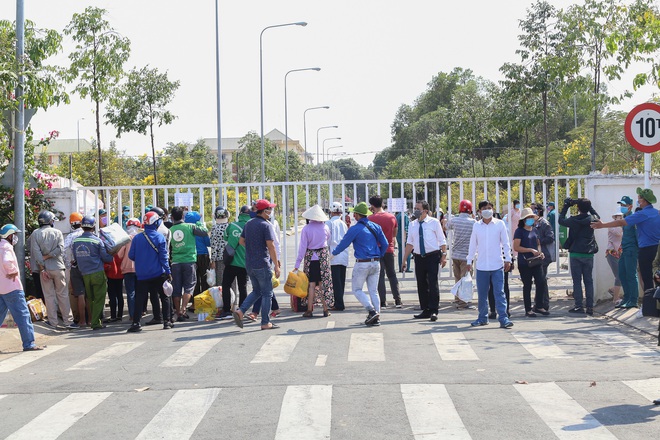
[(642, 127)]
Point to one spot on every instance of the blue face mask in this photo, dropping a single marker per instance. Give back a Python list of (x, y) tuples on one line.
[(517, 206), (529, 221), (623, 209)]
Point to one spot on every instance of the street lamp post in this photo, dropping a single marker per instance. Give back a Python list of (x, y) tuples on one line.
[(317, 139), (78, 125), (328, 139), (330, 148), (217, 100), (261, 87), (286, 119), (305, 126)]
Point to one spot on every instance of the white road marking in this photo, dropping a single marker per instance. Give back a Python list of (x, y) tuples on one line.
[(649, 388), (114, 351), (276, 349), (2, 396), (629, 346), (26, 357), (53, 422), (539, 346), (306, 413), (366, 347), (454, 347), (331, 324), (321, 360), (431, 412), (567, 419), (190, 353), (179, 418)]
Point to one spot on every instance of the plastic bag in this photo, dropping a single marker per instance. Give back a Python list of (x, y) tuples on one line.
[(210, 277), (114, 238), (463, 288), (275, 281), (296, 284), (37, 309), (204, 302), (167, 288)]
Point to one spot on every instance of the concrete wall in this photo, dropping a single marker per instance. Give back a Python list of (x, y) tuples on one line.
[(604, 192), (65, 200)]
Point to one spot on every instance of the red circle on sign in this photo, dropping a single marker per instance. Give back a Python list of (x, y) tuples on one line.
[(628, 128)]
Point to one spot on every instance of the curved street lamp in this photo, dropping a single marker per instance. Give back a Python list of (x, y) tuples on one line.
[(317, 139), (305, 125), (286, 118), (328, 139), (330, 148), (261, 87)]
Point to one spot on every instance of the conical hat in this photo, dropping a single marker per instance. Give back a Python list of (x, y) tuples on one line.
[(315, 213)]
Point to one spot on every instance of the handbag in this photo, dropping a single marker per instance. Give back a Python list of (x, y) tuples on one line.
[(656, 295), (534, 261), (228, 255)]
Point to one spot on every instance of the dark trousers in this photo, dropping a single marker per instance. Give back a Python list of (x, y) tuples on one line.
[(338, 284), (387, 267), (526, 275), (116, 296), (426, 273), (203, 264), (491, 296), (231, 273), (145, 288), (645, 258), (38, 291)]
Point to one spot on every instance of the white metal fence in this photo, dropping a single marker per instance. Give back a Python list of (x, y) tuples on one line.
[(295, 197)]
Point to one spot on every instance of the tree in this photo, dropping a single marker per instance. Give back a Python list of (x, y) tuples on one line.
[(588, 28), (248, 158), (140, 103), (96, 63), (182, 163)]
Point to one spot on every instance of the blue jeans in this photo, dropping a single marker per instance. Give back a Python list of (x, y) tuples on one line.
[(628, 276), (14, 301), (262, 285), (582, 269), (484, 280), (129, 284), (369, 272)]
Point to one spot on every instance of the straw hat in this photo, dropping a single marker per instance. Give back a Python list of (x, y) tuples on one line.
[(526, 212), (315, 213)]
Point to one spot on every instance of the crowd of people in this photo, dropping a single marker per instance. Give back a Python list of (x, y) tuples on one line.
[(169, 254)]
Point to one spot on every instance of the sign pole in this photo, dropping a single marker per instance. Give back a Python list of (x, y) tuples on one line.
[(647, 170)]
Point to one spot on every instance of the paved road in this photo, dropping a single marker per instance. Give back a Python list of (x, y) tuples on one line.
[(333, 378)]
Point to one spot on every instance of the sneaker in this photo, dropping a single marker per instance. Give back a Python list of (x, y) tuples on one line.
[(397, 303), (224, 315), (73, 325), (507, 324), (373, 317), (134, 328), (434, 317), (154, 322), (168, 325), (492, 315), (576, 310), (376, 323), (383, 305), (47, 322), (478, 323), (590, 311)]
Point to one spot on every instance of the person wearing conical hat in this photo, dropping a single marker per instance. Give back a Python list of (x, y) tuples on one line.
[(314, 254)]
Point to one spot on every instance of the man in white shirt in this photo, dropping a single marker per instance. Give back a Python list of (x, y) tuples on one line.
[(339, 263), (427, 240), (490, 244)]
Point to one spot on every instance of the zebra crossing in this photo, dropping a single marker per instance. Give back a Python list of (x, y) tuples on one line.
[(311, 412), (363, 346)]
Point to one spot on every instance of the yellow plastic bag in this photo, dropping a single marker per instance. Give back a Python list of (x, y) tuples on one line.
[(37, 309), (296, 284), (204, 302), (275, 281)]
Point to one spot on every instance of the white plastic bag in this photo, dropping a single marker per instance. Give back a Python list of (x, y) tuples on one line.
[(465, 289), (167, 288), (114, 237), (210, 277)]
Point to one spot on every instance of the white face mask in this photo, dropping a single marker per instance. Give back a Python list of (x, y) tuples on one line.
[(221, 221), (14, 240), (487, 213)]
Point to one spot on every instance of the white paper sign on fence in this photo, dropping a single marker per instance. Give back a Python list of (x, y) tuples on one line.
[(396, 205), (183, 199)]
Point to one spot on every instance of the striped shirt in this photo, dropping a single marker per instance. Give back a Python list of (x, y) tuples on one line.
[(462, 226)]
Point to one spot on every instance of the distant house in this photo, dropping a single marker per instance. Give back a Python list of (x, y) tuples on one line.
[(58, 150), (231, 146)]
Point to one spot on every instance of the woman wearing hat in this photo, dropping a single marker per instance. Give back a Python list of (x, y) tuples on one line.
[(313, 249), (612, 255), (526, 243)]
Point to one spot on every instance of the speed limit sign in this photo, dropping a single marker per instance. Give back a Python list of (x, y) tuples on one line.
[(643, 127)]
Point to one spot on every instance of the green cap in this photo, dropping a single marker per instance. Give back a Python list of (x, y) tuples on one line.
[(361, 209), (647, 194)]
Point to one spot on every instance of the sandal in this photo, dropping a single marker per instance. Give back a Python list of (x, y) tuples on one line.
[(274, 313), (308, 314), (35, 348), (530, 315), (251, 316), (326, 313), (270, 327)]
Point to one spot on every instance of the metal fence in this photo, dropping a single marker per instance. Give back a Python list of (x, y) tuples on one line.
[(293, 198)]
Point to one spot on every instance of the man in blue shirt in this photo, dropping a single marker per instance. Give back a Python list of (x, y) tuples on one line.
[(648, 233), (369, 246)]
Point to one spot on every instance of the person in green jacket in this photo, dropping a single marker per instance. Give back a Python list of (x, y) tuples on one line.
[(184, 260), (236, 269)]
